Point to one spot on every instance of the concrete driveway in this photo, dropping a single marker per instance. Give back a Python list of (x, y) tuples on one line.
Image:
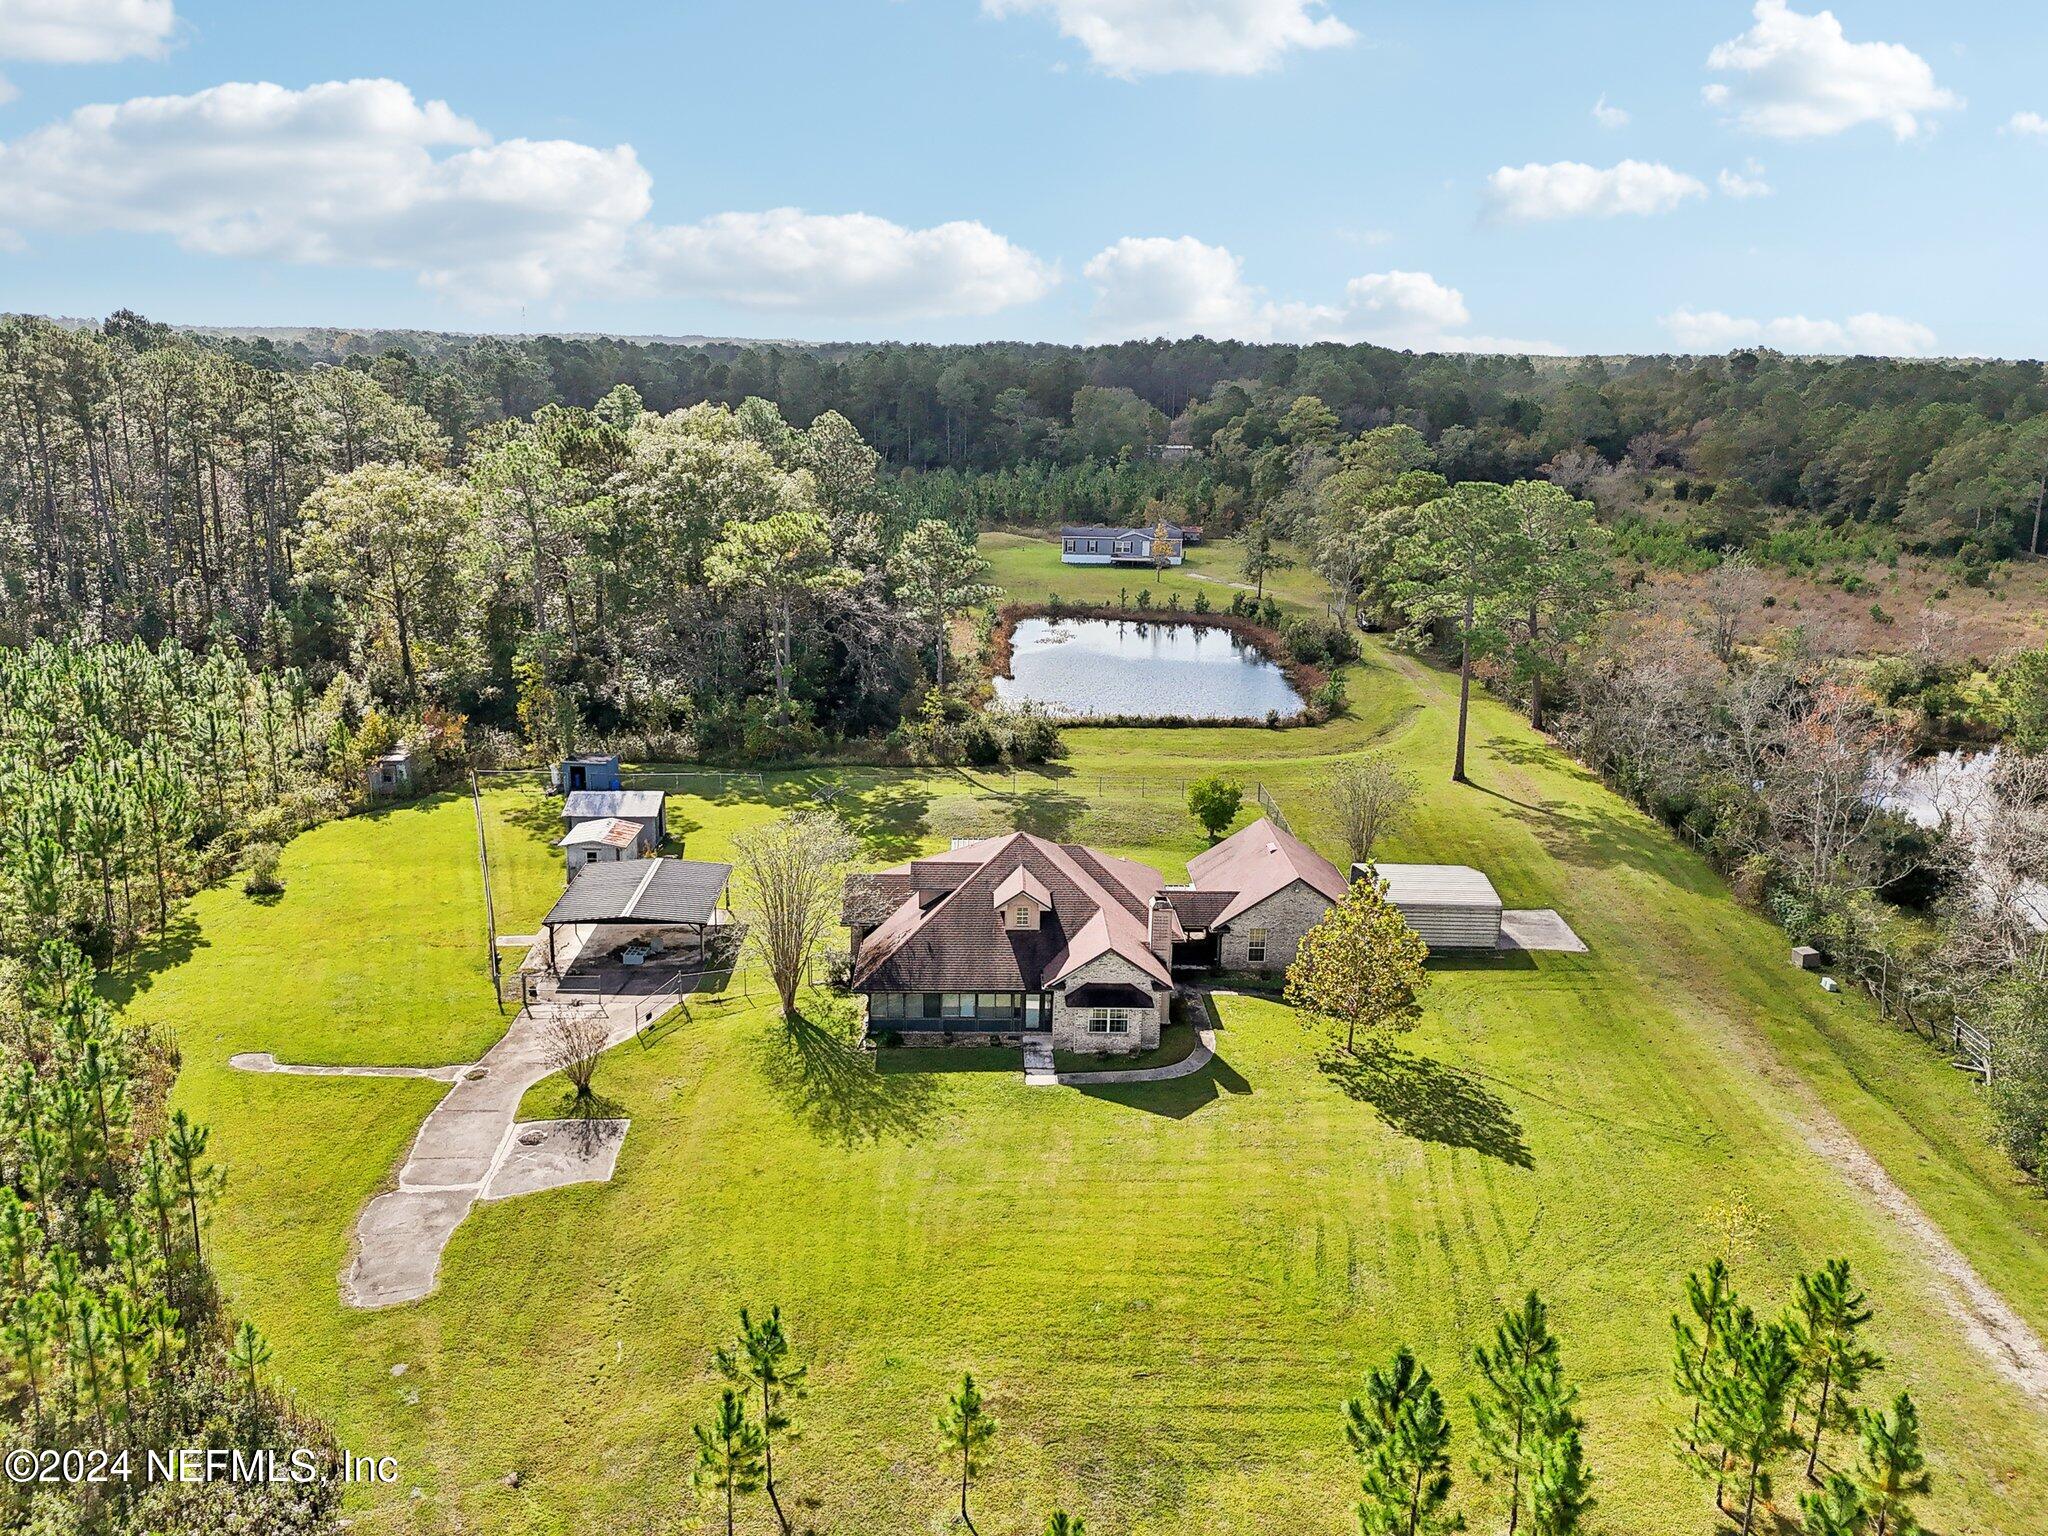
[(461, 1152)]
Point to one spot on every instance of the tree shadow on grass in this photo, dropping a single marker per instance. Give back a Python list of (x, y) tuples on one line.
[(1480, 960), (1429, 1101), (831, 1085), (1047, 813), (135, 973), (1177, 1097), (537, 815), (888, 817)]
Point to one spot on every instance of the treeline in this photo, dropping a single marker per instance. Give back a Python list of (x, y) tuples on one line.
[(1787, 768), (711, 579), (1841, 439), (130, 777), (113, 1337)]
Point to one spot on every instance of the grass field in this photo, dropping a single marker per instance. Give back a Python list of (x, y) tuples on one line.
[(1167, 1289)]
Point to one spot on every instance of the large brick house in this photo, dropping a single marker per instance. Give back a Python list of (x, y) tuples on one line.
[(1006, 937)]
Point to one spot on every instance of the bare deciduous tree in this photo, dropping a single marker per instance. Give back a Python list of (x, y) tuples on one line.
[(574, 1038), (790, 876), (1373, 797), (1730, 599), (1827, 757)]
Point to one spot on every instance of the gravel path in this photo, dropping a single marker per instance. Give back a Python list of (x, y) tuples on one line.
[(1987, 1319)]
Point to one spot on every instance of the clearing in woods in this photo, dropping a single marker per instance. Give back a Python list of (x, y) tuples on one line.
[(1167, 1288)]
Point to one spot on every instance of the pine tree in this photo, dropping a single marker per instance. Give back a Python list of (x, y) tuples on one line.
[(965, 1428), (762, 1362), (128, 1331), (1823, 1325), (1402, 1438), (186, 1143), (729, 1453), (1560, 1486), (1526, 1401), (248, 1354), (1891, 1468), (1837, 1510), (1749, 1407), (1710, 1297)]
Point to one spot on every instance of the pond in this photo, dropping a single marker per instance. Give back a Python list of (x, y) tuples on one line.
[(1078, 668)]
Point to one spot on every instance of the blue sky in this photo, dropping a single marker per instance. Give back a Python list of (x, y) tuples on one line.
[(1865, 177)]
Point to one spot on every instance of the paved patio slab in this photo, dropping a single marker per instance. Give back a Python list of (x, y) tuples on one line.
[(551, 1154), (1539, 928)]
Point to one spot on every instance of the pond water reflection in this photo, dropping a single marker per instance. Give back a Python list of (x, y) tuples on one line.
[(1077, 668)]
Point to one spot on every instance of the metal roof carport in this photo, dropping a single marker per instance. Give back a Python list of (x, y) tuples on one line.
[(639, 893)]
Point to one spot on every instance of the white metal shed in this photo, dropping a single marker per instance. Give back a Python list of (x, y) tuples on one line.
[(1453, 906)]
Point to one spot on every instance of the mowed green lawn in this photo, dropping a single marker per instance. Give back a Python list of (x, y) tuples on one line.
[(1166, 1290), (1027, 566)]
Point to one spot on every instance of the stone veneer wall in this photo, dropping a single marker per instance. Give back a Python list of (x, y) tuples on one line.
[(1286, 915), (1070, 1025)]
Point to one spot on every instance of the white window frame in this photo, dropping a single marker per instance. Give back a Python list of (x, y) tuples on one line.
[(1109, 1021), (1255, 945)]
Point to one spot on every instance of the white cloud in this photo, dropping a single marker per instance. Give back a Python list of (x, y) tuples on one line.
[(360, 173), (2031, 124), (1183, 287), (343, 173), (1747, 182), (84, 31), (7, 91), (1800, 76), (1569, 189), (845, 264), (1867, 334), (1609, 117), (1213, 37)]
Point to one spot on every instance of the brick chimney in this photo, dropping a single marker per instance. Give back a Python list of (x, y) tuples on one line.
[(1159, 928)]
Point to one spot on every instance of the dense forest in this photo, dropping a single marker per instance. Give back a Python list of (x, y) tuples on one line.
[(1838, 439)]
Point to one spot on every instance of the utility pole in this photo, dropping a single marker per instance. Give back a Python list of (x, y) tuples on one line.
[(483, 859)]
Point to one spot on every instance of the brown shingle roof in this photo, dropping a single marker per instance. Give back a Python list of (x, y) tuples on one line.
[(1259, 861), (866, 899), (1199, 909), (958, 943)]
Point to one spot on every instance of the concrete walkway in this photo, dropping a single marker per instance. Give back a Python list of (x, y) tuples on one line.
[(1203, 1053), (460, 1147), (263, 1061), (1539, 928)]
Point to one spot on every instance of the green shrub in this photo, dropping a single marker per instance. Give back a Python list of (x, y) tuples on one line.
[(981, 742), (261, 877)]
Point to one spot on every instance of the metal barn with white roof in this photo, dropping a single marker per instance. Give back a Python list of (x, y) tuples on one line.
[(1453, 906)]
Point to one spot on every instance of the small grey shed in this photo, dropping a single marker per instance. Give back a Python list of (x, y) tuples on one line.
[(648, 807), (1452, 906), (390, 774)]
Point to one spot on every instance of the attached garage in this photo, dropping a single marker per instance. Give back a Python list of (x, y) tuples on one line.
[(1452, 906)]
